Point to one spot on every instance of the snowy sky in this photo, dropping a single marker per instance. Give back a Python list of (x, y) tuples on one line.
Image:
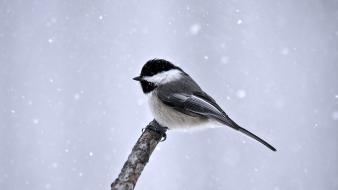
[(70, 112)]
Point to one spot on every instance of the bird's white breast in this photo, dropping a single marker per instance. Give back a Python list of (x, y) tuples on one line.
[(169, 117)]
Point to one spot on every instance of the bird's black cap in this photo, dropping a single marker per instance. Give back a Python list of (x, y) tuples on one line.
[(155, 66)]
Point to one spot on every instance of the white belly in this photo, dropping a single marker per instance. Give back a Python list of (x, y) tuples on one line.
[(168, 117)]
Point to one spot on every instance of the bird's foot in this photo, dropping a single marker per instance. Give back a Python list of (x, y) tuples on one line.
[(156, 127)]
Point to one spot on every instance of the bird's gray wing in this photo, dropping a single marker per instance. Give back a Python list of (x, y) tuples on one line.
[(202, 105), (191, 105)]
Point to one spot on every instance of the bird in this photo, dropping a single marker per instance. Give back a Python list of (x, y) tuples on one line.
[(178, 102)]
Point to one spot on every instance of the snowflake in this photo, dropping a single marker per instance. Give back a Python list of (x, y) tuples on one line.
[(76, 96), (55, 165), (36, 121), (241, 93), (285, 51), (195, 28)]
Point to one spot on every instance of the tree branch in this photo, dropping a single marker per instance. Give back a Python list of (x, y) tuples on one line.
[(139, 156)]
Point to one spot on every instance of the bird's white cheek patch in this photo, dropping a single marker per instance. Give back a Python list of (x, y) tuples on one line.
[(165, 77)]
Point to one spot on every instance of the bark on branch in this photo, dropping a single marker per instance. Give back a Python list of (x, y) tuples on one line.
[(139, 156)]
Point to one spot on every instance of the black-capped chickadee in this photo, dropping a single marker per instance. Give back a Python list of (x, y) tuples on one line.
[(177, 101)]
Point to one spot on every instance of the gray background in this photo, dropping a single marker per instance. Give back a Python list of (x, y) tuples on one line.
[(70, 112)]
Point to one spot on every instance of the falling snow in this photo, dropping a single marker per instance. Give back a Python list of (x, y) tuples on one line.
[(35, 121), (55, 165), (195, 29), (70, 112), (315, 125), (284, 51), (240, 93), (76, 96)]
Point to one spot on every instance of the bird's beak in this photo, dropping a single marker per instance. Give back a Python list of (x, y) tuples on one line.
[(139, 78)]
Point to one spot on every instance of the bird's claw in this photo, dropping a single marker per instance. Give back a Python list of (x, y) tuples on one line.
[(164, 137), (156, 127)]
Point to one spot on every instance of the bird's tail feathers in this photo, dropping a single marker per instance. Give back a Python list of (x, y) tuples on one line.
[(227, 121)]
